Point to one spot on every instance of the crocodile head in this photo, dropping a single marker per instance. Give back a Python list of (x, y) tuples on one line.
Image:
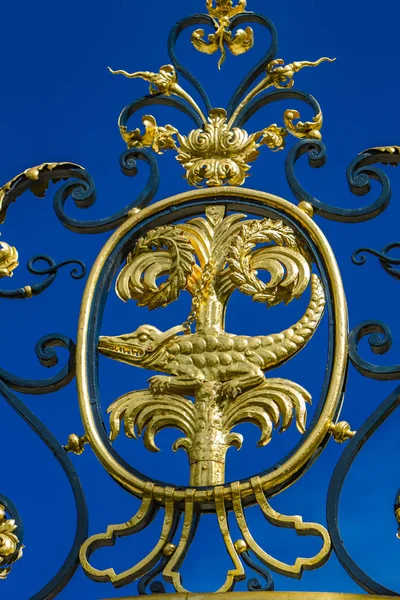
[(145, 347)]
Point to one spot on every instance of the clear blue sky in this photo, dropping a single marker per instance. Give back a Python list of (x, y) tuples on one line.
[(59, 103)]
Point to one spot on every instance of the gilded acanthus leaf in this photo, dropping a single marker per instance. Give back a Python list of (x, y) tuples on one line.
[(163, 82), (220, 153), (217, 154), (241, 42), (309, 130), (163, 251), (274, 137), (281, 75), (225, 8), (155, 137)]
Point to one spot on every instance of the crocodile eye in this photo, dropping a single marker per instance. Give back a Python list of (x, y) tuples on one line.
[(143, 338)]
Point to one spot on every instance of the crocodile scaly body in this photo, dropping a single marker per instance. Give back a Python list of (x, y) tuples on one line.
[(213, 355)]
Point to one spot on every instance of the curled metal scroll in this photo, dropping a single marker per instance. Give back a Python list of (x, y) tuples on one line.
[(37, 179), (350, 453), (158, 100), (11, 535), (359, 175), (12, 510), (198, 19), (67, 570), (82, 193), (254, 584), (387, 262), (48, 357), (270, 54), (274, 96), (82, 189), (148, 581), (380, 341), (237, 21), (78, 272)]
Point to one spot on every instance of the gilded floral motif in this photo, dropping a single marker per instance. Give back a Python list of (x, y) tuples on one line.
[(221, 14), (10, 546), (219, 152), (155, 137), (8, 259)]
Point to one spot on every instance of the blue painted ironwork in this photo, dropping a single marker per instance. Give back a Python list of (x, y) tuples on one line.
[(271, 96), (80, 187), (83, 193), (198, 19), (67, 570), (237, 21), (350, 453), (359, 175), (387, 262), (78, 272), (380, 341), (260, 67), (48, 357), (254, 584), (39, 186), (148, 580), (13, 513)]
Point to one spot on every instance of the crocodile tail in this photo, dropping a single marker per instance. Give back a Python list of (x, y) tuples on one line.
[(278, 348)]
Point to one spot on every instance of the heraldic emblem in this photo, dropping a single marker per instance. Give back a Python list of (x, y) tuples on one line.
[(226, 375)]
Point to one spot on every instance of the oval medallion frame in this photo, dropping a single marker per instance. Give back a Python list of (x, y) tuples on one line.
[(106, 266)]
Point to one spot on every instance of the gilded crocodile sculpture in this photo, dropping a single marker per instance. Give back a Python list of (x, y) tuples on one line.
[(211, 380), (236, 362)]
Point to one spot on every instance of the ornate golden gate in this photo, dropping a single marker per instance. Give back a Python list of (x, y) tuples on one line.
[(209, 242)]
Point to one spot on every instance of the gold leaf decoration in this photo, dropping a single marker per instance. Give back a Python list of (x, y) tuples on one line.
[(10, 547), (155, 137), (163, 251), (275, 402), (38, 186), (274, 137), (289, 269), (310, 130), (281, 75), (221, 14), (8, 260), (144, 411), (217, 154), (225, 8), (163, 82)]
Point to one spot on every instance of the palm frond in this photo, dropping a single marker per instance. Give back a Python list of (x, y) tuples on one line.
[(276, 402)]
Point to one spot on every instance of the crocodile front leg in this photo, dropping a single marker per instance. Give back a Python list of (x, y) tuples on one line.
[(239, 378), (185, 383)]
